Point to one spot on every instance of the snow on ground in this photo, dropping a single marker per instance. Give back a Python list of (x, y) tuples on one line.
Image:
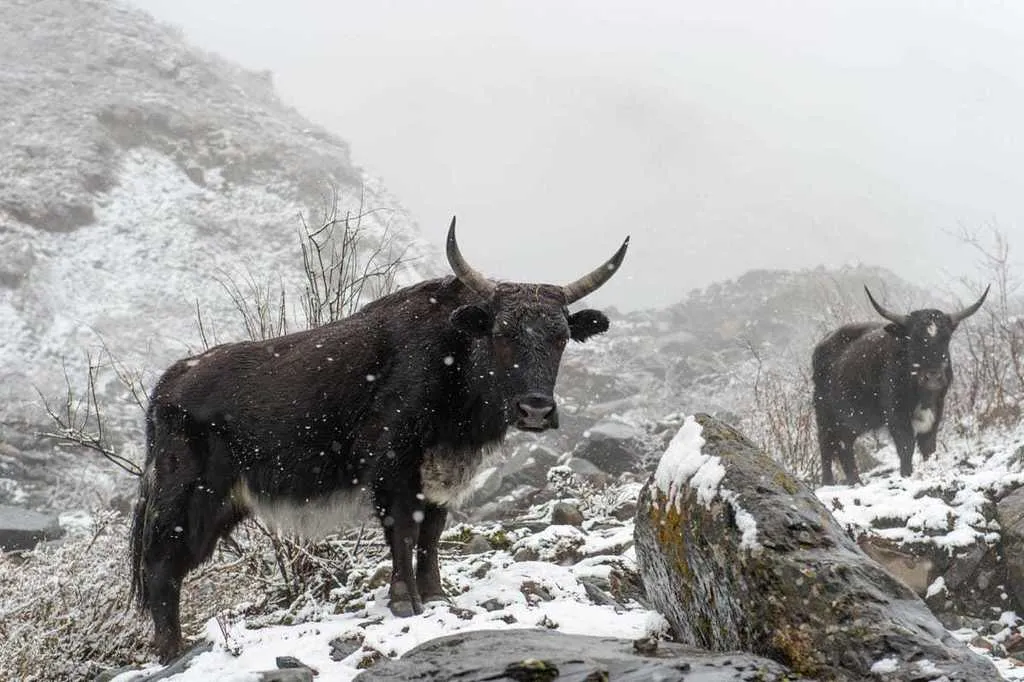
[(941, 502), (488, 591)]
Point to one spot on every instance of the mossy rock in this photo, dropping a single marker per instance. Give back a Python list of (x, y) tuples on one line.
[(760, 565)]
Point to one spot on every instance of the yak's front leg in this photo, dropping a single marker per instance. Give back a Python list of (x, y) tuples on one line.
[(428, 570), (400, 513), (903, 438)]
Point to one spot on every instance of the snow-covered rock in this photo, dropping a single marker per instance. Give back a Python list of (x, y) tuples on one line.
[(737, 554)]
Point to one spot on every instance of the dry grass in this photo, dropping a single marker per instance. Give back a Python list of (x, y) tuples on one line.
[(65, 613)]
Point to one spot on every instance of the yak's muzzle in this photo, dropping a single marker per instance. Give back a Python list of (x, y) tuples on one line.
[(536, 412)]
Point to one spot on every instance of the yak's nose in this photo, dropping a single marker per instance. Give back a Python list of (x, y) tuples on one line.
[(536, 412)]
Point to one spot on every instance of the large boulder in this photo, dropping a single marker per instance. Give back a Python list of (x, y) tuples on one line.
[(23, 528), (542, 656), (1010, 515), (738, 554), (613, 446)]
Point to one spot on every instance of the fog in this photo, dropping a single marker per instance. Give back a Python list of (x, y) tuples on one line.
[(721, 136)]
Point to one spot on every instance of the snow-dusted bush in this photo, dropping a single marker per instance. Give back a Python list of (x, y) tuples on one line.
[(988, 348), (65, 612)]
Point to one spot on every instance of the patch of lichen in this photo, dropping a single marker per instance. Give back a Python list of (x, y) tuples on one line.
[(797, 649), (785, 481), (463, 535), (669, 524), (678, 536), (535, 670), (499, 540)]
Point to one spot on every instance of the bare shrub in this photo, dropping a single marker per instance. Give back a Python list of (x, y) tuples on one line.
[(781, 418), (344, 265), (66, 616), (988, 353), (80, 418)]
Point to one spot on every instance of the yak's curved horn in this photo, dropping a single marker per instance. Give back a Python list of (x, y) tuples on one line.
[(962, 315), (463, 270), (590, 282), (892, 317)]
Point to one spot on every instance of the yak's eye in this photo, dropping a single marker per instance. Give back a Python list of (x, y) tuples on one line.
[(561, 341)]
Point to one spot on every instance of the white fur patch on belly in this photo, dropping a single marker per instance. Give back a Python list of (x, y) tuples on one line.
[(923, 419), (315, 519), (447, 475)]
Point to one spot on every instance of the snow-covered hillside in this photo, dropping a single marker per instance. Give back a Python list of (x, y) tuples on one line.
[(136, 171)]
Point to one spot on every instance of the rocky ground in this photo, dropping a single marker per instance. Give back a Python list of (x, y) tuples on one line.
[(563, 560)]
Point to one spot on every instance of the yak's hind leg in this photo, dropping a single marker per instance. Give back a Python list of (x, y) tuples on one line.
[(847, 457), (428, 570), (179, 517), (835, 441), (828, 441)]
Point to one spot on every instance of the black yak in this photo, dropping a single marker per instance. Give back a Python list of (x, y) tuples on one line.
[(869, 375), (388, 412)]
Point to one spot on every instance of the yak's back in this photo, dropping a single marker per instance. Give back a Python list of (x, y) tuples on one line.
[(831, 348)]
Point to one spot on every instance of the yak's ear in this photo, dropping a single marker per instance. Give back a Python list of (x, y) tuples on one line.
[(587, 323), (472, 319), (897, 330)]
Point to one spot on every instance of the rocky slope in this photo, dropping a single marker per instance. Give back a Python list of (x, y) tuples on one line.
[(137, 170), (139, 176)]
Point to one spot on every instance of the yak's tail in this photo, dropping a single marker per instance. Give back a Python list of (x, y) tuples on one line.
[(140, 519)]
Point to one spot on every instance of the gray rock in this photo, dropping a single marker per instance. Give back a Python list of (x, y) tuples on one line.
[(1010, 515), (342, 648), (477, 544), (612, 446), (566, 514), (785, 579), (23, 529), (596, 594), (285, 675), (507, 506), (528, 465), (543, 655), (585, 470)]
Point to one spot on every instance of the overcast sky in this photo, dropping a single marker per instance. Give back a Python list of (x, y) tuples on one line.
[(723, 136)]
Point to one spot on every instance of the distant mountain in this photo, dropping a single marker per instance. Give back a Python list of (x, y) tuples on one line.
[(136, 171)]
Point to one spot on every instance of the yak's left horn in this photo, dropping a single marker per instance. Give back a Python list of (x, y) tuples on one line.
[(592, 281), (961, 315)]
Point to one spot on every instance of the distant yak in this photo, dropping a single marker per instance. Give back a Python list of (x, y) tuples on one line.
[(869, 375), (388, 412)]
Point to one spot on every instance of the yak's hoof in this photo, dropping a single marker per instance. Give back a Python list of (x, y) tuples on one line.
[(168, 650), (181, 660), (437, 597), (404, 608)]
